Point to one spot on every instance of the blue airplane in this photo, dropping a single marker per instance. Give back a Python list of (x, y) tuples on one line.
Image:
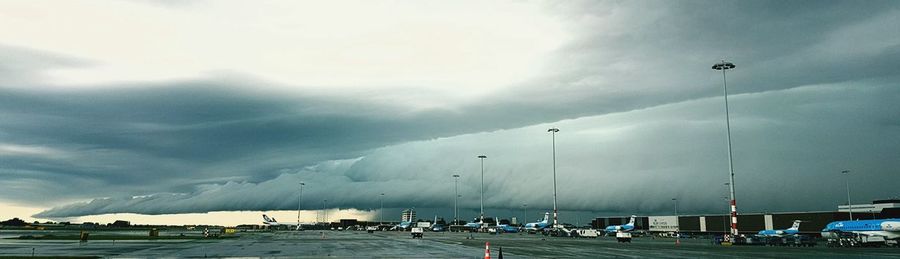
[(475, 224), (506, 228), (403, 226), (887, 228), (621, 228), (793, 230), (540, 225)]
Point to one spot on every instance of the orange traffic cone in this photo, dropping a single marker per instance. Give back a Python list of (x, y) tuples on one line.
[(487, 250)]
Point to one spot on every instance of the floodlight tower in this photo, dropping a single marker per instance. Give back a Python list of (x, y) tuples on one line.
[(723, 66), (456, 200), (299, 204), (849, 205), (482, 157), (553, 132)]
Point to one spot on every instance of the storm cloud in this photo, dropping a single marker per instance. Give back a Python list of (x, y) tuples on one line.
[(815, 92)]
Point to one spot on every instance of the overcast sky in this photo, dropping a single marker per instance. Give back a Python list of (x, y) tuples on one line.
[(169, 107)]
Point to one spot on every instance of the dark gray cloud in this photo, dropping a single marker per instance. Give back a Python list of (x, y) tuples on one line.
[(616, 163), (826, 70)]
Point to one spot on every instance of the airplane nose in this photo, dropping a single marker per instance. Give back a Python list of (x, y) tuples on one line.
[(890, 225)]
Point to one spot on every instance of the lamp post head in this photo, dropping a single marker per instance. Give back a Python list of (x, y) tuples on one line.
[(301, 183), (674, 199), (723, 65), (482, 156), (554, 130), (845, 172), (456, 175)]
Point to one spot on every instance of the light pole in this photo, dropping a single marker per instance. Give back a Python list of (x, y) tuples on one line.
[(553, 132), (726, 66), (677, 226), (324, 212), (457, 212), (849, 205), (456, 200), (381, 212), (482, 157), (299, 205)]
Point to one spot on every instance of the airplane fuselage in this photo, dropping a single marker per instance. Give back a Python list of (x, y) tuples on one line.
[(887, 228), (619, 228), (777, 233)]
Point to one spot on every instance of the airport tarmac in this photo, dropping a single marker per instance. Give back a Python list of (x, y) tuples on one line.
[(434, 245)]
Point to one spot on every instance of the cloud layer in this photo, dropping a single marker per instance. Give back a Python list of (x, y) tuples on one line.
[(234, 128), (622, 162)]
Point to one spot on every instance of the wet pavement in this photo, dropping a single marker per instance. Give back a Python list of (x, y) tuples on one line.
[(435, 245)]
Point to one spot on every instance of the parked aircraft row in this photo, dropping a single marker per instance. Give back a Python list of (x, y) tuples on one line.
[(885, 228)]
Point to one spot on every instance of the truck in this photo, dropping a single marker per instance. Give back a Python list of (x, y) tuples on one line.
[(623, 237), (417, 232)]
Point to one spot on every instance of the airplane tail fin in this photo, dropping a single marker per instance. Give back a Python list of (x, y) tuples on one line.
[(631, 221), (268, 219), (546, 217), (796, 225)]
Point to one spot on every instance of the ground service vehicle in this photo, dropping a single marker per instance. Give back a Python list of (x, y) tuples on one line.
[(417, 232)]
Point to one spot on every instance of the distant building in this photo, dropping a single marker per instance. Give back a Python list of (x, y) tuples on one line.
[(408, 215), (121, 223)]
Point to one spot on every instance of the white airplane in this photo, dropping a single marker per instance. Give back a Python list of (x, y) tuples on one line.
[(271, 222)]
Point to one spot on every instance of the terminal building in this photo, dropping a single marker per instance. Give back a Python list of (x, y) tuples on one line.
[(751, 223), (877, 206), (408, 215)]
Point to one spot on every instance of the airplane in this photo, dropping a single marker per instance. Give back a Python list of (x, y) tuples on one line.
[(887, 228), (621, 228), (506, 228), (793, 230), (438, 228), (403, 226), (540, 225), (476, 224), (271, 222)]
